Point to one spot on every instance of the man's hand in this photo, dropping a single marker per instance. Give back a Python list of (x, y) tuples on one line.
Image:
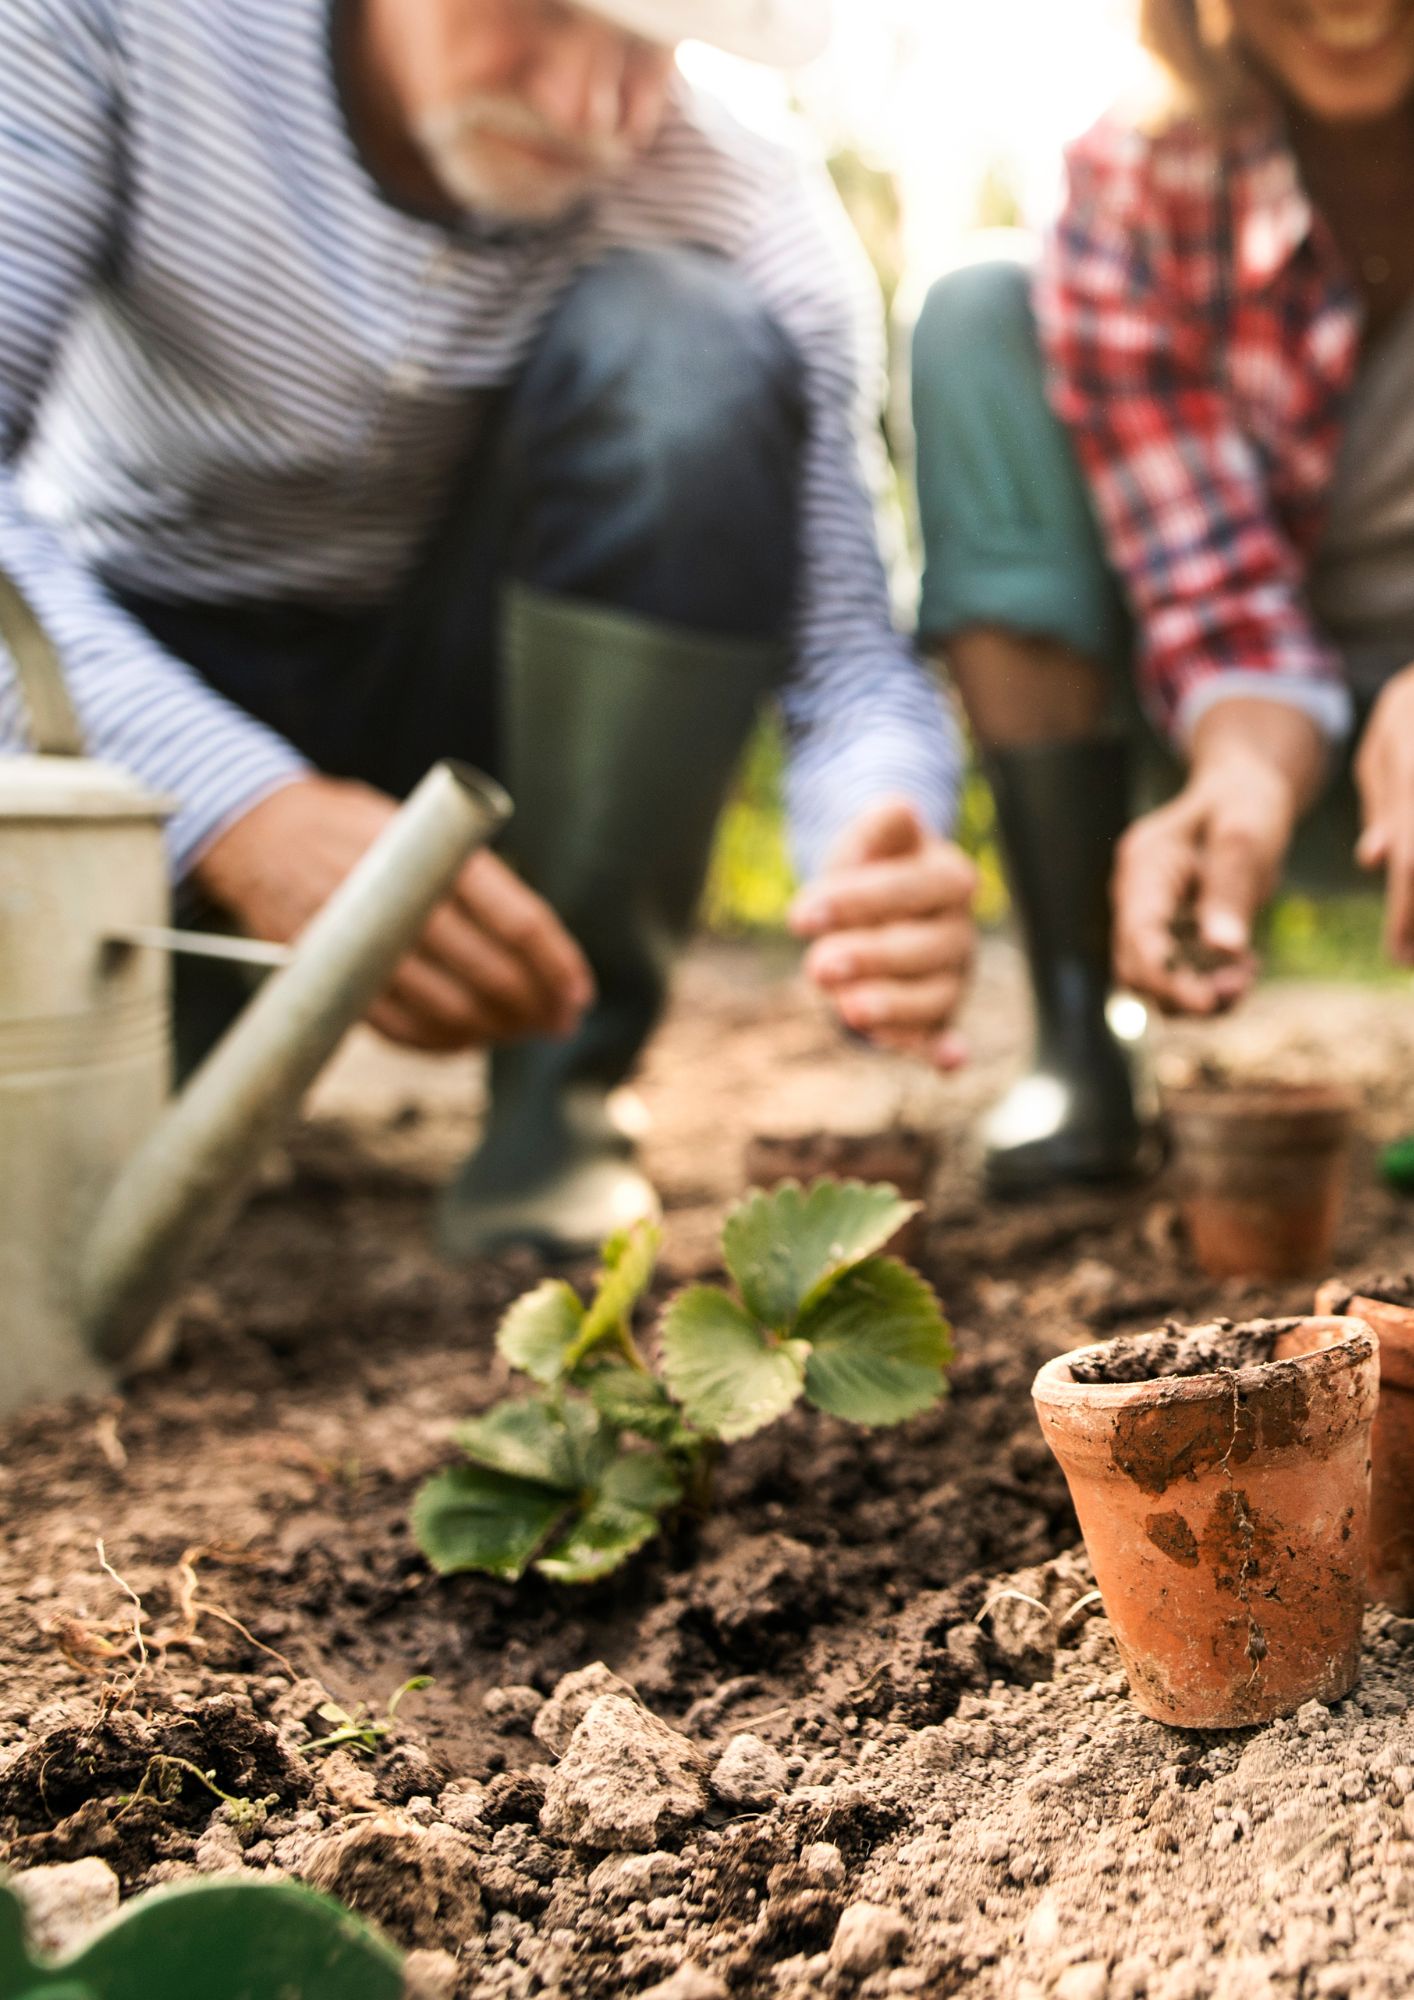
[(891, 917), (1191, 878), (494, 963), (1384, 773)]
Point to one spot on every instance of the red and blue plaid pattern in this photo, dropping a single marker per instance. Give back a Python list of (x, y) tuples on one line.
[(1201, 337)]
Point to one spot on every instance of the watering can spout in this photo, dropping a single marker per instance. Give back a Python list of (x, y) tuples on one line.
[(182, 1184)]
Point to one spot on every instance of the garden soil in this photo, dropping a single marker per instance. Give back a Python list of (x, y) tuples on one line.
[(869, 1733)]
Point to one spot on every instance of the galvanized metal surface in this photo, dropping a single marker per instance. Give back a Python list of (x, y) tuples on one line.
[(85, 1068)]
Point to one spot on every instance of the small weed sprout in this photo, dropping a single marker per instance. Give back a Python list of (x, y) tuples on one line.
[(163, 1780), (362, 1730), (576, 1477)]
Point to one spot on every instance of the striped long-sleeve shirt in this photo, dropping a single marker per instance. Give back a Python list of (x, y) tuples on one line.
[(233, 371)]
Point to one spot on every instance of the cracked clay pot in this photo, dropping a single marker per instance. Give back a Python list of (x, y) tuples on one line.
[(1392, 1481), (1222, 1479), (1261, 1174)]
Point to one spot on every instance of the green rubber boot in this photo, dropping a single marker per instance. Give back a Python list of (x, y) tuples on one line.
[(620, 738), (1084, 1112)]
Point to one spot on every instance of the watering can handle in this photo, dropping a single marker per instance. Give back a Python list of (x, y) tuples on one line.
[(52, 717)]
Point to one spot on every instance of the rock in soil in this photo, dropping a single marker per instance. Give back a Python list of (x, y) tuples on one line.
[(626, 1782), (65, 1903), (555, 1723)]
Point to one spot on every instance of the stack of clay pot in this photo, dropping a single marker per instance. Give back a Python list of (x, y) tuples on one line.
[(1244, 1489), (1387, 1305)]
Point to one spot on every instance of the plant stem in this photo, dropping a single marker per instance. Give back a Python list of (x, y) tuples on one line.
[(701, 1475)]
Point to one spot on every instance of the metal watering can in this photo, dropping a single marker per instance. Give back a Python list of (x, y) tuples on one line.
[(108, 1192)]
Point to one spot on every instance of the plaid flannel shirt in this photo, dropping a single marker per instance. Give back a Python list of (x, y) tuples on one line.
[(1201, 337)]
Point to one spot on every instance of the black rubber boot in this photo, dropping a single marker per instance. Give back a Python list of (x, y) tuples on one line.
[(1079, 1114), (620, 740)]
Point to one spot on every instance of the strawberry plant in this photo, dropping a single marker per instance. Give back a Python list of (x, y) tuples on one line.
[(574, 1477)]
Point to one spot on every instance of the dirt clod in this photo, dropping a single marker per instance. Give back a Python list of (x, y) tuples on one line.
[(689, 1982), (419, 1883), (514, 1708), (65, 1903), (823, 1860), (626, 1782), (430, 1975), (749, 1772), (869, 1936), (555, 1722)]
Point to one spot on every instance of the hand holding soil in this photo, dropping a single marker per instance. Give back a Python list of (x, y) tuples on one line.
[(891, 920), (494, 964)]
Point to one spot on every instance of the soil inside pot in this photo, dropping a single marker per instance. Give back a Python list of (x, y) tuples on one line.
[(1182, 1351), (1390, 1291)]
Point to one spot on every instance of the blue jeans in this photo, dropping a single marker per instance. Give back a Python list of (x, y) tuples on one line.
[(646, 460)]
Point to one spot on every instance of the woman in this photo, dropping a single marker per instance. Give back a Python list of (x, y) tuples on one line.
[(1223, 345)]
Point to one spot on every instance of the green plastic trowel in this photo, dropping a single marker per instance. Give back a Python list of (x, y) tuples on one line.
[(216, 1940)]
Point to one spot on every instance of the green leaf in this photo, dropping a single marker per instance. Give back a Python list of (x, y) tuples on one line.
[(471, 1517), (637, 1490), (538, 1332), (629, 1261), (630, 1400), (597, 1543), (878, 1345), (785, 1248), (644, 1480), (527, 1439), (729, 1375), (222, 1939)]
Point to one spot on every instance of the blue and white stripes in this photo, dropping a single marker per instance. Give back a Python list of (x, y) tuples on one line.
[(231, 371)]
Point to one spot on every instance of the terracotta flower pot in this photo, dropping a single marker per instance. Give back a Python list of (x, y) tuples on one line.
[(1222, 1479), (1392, 1481), (1261, 1175)]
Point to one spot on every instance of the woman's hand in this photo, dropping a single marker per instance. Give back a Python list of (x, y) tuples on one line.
[(494, 963), (1384, 773), (1191, 878), (891, 920)]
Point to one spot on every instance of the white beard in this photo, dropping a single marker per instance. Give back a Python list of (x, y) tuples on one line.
[(482, 179)]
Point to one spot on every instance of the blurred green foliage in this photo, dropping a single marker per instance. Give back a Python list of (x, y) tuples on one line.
[(751, 882), (1328, 937)]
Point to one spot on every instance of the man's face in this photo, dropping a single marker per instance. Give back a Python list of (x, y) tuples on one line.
[(1343, 60), (521, 108)]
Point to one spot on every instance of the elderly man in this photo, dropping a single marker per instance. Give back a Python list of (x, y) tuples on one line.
[(388, 379)]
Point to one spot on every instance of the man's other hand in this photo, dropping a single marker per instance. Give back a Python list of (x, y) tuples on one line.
[(493, 965), (893, 939)]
